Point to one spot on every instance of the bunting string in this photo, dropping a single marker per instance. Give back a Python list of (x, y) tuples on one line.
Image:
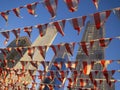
[(77, 23), (50, 5), (103, 42)]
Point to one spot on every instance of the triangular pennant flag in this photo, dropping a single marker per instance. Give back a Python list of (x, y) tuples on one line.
[(70, 47), (58, 65), (70, 82), (17, 12), (72, 5), (82, 83), (34, 64), (31, 51), (74, 64), (33, 77), (50, 87), (55, 48), (75, 73), (52, 75), (87, 67), (31, 72), (84, 47), (91, 43), (5, 15), (31, 8), (105, 63), (100, 18), (104, 42), (16, 32), (28, 30), (51, 6), (91, 77), (42, 50), (78, 23), (42, 86), (59, 25), (105, 73), (6, 35), (111, 83), (42, 29), (20, 50), (95, 2), (24, 63), (44, 65), (117, 12), (95, 84)]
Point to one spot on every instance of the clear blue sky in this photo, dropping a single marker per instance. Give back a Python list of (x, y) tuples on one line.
[(86, 7)]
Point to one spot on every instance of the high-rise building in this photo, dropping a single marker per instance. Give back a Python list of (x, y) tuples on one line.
[(96, 53)]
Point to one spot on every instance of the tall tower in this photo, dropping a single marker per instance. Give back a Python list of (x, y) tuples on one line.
[(96, 53)]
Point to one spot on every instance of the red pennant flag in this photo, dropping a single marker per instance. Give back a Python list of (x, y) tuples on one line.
[(105, 63), (41, 87), (17, 12), (24, 63), (50, 87), (105, 73), (52, 75), (42, 50), (19, 50), (82, 83), (42, 29), (31, 8), (70, 47), (104, 42), (59, 25), (100, 18), (16, 32), (34, 64), (28, 30), (31, 72), (84, 47), (95, 2), (31, 51), (5, 15), (87, 67), (55, 48), (58, 65), (51, 6), (72, 5), (33, 77), (75, 73), (91, 43), (70, 83), (78, 23), (91, 77), (111, 83), (6, 35)]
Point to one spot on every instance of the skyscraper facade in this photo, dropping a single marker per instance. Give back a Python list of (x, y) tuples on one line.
[(96, 53)]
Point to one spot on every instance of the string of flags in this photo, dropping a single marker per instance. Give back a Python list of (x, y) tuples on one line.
[(71, 65), (103, 42), (50, 5), (98, 19)]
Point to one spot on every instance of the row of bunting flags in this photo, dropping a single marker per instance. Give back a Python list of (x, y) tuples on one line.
[(50, 5), (98, 19), (103, 42), (71, 65)]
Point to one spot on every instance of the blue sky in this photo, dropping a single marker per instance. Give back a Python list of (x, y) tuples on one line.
[(86, 7)]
